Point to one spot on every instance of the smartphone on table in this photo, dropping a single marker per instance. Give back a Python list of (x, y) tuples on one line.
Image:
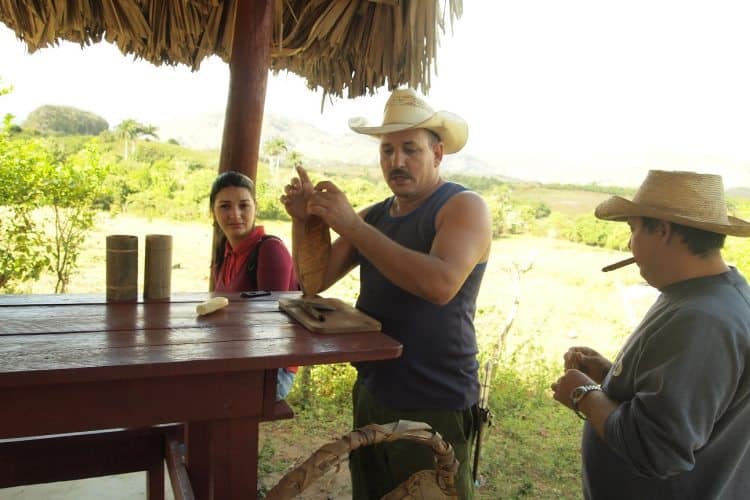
[(254, 294)]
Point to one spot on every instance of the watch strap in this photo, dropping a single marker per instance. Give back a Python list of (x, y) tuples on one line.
[(579, 393)]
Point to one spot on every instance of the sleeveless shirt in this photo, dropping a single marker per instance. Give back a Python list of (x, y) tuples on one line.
[(438, 367)]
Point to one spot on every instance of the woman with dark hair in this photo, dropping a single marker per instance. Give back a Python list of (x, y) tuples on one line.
[(245, 257)]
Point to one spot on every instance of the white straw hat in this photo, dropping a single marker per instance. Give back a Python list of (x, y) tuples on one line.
[(406, 110), (686, 198)]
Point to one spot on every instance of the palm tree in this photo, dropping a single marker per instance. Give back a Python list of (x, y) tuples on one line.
[(129, 130), (274, 150)]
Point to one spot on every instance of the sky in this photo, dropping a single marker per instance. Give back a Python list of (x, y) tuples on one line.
[(569, 84)]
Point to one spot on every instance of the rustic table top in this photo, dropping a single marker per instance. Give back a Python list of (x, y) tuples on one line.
[(47, 339)]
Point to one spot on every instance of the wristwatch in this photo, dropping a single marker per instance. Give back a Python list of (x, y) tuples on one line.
[(579, 393)]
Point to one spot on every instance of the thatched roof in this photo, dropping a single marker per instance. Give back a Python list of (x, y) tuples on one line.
[(345, 47)]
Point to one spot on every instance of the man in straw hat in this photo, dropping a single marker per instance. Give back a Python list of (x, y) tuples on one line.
[(671, 416), (422, 253)]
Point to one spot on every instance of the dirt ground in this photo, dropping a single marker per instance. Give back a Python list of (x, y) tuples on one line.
[(293, 450)]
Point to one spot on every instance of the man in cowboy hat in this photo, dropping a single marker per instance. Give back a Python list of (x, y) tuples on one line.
[(670, 417), (422, 254)]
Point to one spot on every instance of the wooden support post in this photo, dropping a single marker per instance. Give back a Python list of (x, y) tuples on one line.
[(248, 77)]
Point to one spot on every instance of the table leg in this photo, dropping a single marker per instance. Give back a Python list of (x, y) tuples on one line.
[(222, 458), (155, 480), (198, 458), (235, 451)]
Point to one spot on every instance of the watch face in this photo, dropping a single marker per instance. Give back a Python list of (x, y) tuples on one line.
[(578, 392)]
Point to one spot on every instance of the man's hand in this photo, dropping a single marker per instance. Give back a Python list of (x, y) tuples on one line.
[(297, 194), (565, 385), (587, 361), (330, 203)]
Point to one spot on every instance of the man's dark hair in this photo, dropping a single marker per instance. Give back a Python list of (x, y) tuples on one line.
[(698, 241)]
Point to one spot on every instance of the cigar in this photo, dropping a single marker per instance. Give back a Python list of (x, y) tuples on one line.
[(310, 310), (618, 265)]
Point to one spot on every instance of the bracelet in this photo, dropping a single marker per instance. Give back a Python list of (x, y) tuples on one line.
[(579, 393)]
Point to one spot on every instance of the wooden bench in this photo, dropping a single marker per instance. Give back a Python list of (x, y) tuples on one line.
[(80, 455), (64, 457)]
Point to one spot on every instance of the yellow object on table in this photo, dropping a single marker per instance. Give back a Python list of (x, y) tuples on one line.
[(211, 305)]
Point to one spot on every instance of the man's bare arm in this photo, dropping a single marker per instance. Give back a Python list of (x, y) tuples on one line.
[(463, 238)]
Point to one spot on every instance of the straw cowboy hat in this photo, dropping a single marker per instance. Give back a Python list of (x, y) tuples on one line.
[(406, 110), (686, 198)]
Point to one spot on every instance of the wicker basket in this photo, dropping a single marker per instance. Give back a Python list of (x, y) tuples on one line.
[(426, 484)]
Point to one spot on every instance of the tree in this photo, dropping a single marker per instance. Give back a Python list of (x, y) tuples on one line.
[(294, 158), (499, 199), (275, 150), (23, 250), (129, 130), (33, 179), (70, 189)]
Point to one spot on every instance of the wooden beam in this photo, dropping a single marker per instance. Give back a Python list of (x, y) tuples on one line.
[(251, 52), (248, 77)]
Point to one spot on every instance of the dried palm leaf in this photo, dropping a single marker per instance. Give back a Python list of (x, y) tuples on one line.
[(345, 47)]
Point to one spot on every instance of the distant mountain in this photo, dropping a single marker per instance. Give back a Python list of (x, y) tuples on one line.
[(202, 131), (205, 131), (318, 147)]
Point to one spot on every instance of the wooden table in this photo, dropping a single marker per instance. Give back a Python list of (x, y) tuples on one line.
[(71, 363)]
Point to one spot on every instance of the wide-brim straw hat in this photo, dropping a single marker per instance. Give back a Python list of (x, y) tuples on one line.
[(405, 110), (687, 198)]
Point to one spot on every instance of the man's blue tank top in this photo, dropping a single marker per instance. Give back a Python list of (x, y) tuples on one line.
[(438, 368)]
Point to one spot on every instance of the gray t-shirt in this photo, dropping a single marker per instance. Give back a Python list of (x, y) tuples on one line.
[(683, 378)]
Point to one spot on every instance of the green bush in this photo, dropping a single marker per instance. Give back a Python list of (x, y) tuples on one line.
[(36, 176), (70, 188), (737, 253), (591, 231), (267, 202), (23, 248)]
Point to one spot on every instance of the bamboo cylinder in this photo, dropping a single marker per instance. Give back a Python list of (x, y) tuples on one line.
[(122, 268), (157, 280)]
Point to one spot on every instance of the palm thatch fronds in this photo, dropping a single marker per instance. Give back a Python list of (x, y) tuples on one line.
[(345, 47)]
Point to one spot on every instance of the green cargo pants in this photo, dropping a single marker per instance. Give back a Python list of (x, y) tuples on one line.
[(379, 469)]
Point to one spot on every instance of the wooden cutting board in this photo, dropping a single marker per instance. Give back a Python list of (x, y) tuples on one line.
[(343, 319)]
